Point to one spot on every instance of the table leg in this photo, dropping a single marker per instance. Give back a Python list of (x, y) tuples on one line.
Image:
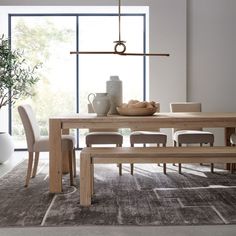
[(55, 156), (228, 132), (65, 159), (85, 180)]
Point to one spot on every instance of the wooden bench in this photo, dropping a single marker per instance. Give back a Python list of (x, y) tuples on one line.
[(91, 156)]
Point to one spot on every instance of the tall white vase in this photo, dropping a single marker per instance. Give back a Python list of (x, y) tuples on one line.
[(6, 147), (114, 89)]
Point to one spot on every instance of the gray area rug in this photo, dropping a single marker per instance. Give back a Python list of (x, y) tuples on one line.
[(197, 197)]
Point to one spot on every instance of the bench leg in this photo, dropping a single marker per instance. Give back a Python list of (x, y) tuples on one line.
[(85, 180), (212, 168), (92, 179)]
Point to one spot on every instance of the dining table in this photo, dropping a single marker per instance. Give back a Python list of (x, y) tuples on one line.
[(182, 120)]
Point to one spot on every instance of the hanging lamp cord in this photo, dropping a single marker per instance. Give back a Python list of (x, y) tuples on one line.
[(120, 46), (119, 19)]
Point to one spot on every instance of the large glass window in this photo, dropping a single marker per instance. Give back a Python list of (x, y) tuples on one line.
[(66, 80), (47, 40)]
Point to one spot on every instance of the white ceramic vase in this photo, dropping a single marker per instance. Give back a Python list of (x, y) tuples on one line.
[(101, 103), (114, 89), (6, 147)]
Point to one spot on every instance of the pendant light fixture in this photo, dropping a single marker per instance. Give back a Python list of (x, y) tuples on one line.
[(120, 47)]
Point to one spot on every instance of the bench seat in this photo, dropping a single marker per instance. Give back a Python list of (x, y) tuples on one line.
[(91, 156)]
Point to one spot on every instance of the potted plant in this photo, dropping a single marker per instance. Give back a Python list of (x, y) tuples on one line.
[(17, 79)]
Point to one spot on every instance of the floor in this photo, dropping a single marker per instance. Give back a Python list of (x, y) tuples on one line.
[(122, 231), (219, 230)]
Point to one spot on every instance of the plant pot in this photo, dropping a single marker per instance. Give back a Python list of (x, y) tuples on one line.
[(6, 147)]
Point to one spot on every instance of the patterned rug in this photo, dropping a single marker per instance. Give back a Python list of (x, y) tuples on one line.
[(197, 197)]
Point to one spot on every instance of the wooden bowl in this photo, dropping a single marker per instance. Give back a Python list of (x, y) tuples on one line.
[(125, 111)]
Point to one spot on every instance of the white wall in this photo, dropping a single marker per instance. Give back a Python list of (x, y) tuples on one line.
[(212, 53), (212, 56)]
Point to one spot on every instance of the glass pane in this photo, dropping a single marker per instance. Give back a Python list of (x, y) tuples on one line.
[(97, 33), (47, 40)]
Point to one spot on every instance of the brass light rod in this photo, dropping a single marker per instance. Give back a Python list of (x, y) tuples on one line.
[(123, 54)]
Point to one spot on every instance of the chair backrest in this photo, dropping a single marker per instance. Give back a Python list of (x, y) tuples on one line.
[(153, 128), (186, 107), (30, 125)]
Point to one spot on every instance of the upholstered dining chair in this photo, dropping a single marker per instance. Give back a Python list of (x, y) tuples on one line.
[(191, 136), (37, 143), (103, 136), (148, 137)]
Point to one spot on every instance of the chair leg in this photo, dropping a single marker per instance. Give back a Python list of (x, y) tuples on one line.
[(120, 169), (119, 165), (212, 165), (231, 168), (132, 165), (158, 164), (132, 169), (71, 168), (164, 164), (175, 145), (201, 146), (29, 170), (36, 161), (74, 162), (164, 168), (180, 165), (212, 168)]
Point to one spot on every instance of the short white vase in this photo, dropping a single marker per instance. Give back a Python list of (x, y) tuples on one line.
[(6, 147), (101, 103)]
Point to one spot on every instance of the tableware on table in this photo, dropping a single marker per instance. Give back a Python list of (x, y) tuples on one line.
[(114, 89), (126, 111), (100, 103)]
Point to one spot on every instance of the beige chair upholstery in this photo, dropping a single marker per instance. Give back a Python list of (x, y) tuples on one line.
[(148, 137), (37, 143), (193, 136), (233, 139), (103, 136)]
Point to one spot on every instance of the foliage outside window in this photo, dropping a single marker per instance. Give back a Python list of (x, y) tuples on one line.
[(17, 78)]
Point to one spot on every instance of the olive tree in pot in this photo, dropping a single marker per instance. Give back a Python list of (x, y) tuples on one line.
[(17, 79)]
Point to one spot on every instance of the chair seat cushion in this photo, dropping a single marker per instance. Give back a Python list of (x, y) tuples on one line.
[(42, 145), (233, 139), (104, 138), (193, 136), (147, 137)]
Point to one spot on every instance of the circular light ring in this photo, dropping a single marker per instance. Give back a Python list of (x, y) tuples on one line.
[(121, 45)]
